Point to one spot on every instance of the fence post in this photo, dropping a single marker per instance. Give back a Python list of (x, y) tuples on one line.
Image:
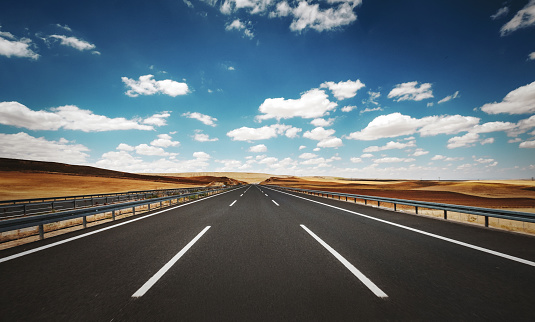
[(41, 232)]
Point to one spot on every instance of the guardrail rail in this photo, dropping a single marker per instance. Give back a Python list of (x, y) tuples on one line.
[(486, 212), (43, 219)]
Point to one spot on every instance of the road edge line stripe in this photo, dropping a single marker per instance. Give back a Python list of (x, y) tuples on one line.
[(374, 288), (143, 289), (481, 249), (24, 253)]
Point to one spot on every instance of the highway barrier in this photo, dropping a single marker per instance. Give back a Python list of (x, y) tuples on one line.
[(486, 212), (24, 207), (43, 219)]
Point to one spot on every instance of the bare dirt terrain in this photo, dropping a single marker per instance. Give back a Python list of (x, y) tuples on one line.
[(492, 194), (241, 176), (21, 179)]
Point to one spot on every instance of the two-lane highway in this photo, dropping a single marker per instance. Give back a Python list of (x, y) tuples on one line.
[(255, 253)]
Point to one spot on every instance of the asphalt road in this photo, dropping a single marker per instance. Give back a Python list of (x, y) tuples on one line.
[(254, 254)]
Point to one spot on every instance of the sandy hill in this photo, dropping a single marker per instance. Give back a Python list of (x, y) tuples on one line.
[(21, 179)]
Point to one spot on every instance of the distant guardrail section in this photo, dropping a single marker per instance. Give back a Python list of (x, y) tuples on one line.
[(486, 212), (25, 207)]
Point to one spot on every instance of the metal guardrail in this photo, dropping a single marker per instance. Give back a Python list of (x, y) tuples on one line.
[(24, 207), (41, 220), (486, 212)]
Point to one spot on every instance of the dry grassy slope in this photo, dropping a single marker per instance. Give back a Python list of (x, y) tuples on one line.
[(518, 194)]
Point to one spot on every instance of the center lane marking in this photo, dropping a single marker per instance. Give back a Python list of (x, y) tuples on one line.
[(143, 289), (275, 202), (376, 290), (233, 203)]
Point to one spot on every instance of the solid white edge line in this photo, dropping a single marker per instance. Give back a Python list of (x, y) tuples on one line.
[(5, 259), (374, 288), (275, 202), (143, 289), (233, 203), (266, 194), (481, 249)]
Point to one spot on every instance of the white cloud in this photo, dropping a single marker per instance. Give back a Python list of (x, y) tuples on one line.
[(325, 138), (322, 122), (367, 155), (263, 133), (24, 146), (125, 147), (311, 16), (144, 149), (356, 160), (312, 104), (157, 119), (123, 161), (397, 124), (419, 152), (205, 119), (487, 141), (66, 27), (308, 156), (68, 117), (348, 108), (523, 18), (411, 91), (11, 46), (467, 140), (201, 137), (449, 98), (164, 141), (258, 148), (367, 109), (343, 90), (240, 26), (202, 156), (518, 101), (500, 13), (393, 160), (527, 144), (73, 42), (389, 146), (292, 132), (301, 147), (531, 56), (146, 85)]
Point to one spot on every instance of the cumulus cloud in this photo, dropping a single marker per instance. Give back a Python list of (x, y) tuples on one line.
[(518, 101), (124, 161), (393, 160), (527, 144), (205, 119), (467, 140), (164, 141), (68, 117), (348, 108), (343, 90), (325, 137), (146, 85), (157, 119), (258, 148), (390, 145), (240, 26), (201, 137), (307, 15), (411, 92), (13, 46), (322, 122), (397, 124), (312, 104), (263, 133), (522, 19), (308, 156), (24, 146)]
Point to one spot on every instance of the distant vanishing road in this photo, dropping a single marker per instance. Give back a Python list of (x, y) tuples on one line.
[(257, 254)]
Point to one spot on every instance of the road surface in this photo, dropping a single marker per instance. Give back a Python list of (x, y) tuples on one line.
[(257, 254)]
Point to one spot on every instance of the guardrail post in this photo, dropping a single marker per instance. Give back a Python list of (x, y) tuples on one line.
[(445, 214), (24, 210), (85, 221), (378, 203), (416, 209), (134, 210), (365, 201), (395, 207), (486, 221), (41, 232), (113, 215)]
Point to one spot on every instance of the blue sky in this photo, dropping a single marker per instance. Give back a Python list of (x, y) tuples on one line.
[(350, 88)]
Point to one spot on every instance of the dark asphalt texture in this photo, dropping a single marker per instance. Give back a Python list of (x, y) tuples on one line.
[(256, 263)]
